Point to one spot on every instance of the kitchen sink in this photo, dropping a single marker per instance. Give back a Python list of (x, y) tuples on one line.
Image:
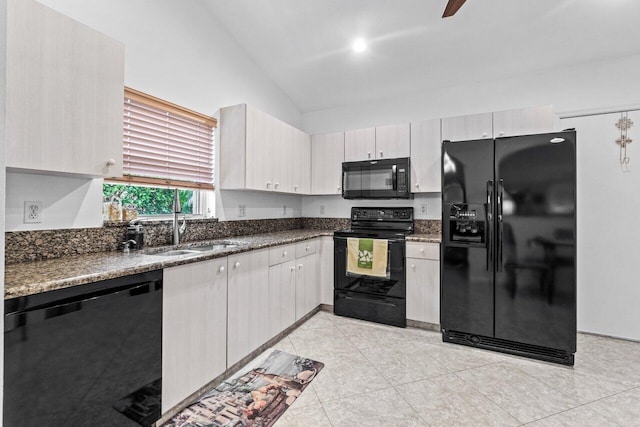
[(175, 252)]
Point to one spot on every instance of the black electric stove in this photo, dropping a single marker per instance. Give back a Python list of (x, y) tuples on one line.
[(377, 299)]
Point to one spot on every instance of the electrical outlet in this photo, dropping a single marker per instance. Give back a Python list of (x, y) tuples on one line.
[(423, 209), (242, 211), (284, 210), (32, 212), (322, 210)]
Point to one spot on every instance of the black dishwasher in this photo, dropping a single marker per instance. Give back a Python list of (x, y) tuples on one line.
[(87, 355)]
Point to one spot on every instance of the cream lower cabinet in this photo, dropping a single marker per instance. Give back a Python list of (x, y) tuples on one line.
[(64, 94), (307, 279), (247, 308), (282, 289), (194, 328), (423, 282), (326, 255)]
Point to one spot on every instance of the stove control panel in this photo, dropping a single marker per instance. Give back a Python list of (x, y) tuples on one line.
[(382, 214)]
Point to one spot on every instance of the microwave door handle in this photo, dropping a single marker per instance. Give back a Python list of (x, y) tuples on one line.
[(394, 177)]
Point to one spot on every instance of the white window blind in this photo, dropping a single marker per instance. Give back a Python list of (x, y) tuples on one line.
[(165, 144)]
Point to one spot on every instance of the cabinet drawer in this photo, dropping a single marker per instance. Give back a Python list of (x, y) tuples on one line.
[(305, 248), (423, 250), (280, 254)]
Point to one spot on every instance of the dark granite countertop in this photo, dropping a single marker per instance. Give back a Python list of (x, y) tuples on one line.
[(425, 238), (33, 277)]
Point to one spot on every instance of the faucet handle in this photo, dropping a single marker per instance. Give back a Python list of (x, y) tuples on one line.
[(126, 244), (183, 226)]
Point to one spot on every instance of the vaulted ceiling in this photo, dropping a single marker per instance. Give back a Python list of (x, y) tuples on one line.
[(305, 45)]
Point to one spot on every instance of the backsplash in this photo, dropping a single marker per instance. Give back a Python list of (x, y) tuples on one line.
[(21, 246)]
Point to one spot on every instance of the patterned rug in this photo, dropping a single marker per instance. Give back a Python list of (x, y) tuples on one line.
[(256, 396)]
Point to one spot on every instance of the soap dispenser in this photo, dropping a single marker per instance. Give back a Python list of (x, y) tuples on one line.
[(135, 232)]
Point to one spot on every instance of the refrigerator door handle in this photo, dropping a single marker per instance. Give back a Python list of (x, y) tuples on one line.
[(500, 218), (490, 224)]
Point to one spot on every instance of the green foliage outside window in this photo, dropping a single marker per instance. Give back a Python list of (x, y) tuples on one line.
[(150, 200)]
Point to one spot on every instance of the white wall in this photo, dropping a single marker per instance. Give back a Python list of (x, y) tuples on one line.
[(425, 206), (608, 244), (3, 62), (258, 205), (67, 202), (588, 86)]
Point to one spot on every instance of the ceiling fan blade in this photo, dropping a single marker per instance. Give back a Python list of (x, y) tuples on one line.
[(452, 7)]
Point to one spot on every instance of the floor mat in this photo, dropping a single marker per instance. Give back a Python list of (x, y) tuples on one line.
[(256, 396)]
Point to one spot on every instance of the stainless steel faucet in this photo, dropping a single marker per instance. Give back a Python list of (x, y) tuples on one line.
[(178, 230)]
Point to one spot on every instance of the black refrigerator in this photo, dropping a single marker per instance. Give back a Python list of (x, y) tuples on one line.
[(508, 262)]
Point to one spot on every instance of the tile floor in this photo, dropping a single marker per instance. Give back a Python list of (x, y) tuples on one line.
[(376, 375)]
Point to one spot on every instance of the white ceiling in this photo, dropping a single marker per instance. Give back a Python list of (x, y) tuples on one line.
[(304, 45)]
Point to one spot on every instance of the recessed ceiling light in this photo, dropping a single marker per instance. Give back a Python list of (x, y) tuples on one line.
[(359, 45)]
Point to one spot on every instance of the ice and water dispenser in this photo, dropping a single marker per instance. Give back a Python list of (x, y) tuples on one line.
[(467, 224)]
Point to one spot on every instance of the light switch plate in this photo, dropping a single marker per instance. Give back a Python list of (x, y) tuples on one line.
[(32, 212)]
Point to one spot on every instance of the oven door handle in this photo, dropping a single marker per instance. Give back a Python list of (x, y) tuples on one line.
[(371, 300), (356, 237)]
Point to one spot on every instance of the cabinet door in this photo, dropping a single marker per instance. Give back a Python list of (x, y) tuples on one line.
[(262, 140), (525, 121), (426, 147), (300, 163), (359, 144), (307, 285), (327, 154), (64, 94), (423, 290), (194, 328), (326, 270), (247, 312), (282, 297), (393, 141), (464, 128)]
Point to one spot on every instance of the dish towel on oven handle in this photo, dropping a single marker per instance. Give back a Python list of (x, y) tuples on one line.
[(368, 257)]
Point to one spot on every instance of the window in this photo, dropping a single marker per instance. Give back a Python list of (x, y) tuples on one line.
[(165, 146)]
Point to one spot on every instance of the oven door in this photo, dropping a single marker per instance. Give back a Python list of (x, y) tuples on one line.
[(394, 286)]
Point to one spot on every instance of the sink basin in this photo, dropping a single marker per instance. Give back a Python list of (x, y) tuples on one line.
[(176, 252), (214, 247)]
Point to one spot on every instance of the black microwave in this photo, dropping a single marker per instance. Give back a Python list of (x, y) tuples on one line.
[(377, 179)]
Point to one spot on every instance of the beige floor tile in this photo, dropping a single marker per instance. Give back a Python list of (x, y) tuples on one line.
[(310, 415), (319, 343), (617, 359), (319, 320), (378, 408), (284, 345), (366, 335), (623, 408), (345, 375), (522, 396), (448, 400), (403, 364), (582, 385), (577, 417), (457, 357)]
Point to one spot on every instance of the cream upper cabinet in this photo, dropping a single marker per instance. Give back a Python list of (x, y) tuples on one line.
[(525, 121), (327, 152), (194, 328), (393, 141), (359, 144), (260, 152), (64, 94), (426, 145), (382, 142), (464, 128)]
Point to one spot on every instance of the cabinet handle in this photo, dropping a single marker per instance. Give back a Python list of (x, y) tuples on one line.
[(484, 135), (299, 266), (368, 154), (111, 162), (413, 266), (417, 185), (276, 185), (268, 184), (501, 133), (221, 269), (284, 254), (293, 269), (422, 250), (236, 265), (307, 248), (381, 155)]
